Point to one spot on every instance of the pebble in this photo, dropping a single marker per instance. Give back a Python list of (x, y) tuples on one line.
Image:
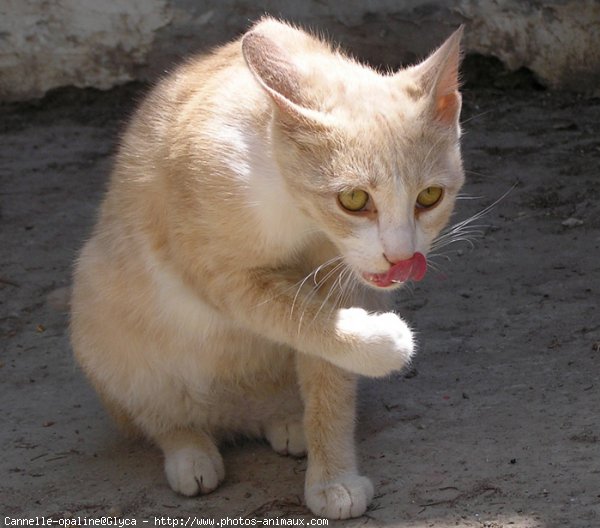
[(572, 222)]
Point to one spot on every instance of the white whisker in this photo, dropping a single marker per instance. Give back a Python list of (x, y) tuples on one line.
[(475, 116), (315, 290), (299, 284), (466, 230), (467, 197), (336, 284)]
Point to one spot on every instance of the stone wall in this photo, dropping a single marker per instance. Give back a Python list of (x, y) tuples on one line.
[(49, 43)]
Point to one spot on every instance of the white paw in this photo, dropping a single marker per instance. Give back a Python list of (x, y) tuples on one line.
[(287, 438), (343, 498), (191, 471), (377, 344)]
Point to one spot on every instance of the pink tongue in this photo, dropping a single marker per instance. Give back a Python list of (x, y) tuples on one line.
[(413, 268)]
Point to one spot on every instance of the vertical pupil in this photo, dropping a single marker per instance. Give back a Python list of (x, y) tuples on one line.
[(354, 200)]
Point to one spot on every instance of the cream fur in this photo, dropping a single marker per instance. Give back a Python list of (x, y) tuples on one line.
[(194, 311)]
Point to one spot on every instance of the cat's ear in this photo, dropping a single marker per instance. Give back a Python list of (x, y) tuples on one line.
[(276, 72), (438, 76)]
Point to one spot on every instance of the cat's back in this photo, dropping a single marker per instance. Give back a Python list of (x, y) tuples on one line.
[(204, 88), (172, 140)]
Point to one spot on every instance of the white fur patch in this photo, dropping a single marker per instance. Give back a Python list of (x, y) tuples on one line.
[(378, 343), (191, 327), (342, 498), (180, 306), (282, 225), (191, 471)]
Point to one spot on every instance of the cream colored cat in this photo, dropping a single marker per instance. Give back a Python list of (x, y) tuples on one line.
[(264, 198)]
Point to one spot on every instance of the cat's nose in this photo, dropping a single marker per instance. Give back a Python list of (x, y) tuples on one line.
[(397, 242)]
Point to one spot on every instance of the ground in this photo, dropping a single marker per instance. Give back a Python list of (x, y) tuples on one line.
[(496, 423)]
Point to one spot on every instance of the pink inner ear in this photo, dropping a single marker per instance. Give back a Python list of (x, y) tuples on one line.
[(447, 107)]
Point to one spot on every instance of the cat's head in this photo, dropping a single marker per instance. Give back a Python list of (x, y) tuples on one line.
[(373, 159)]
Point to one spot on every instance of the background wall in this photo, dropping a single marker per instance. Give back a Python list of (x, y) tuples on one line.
[(101, 43)]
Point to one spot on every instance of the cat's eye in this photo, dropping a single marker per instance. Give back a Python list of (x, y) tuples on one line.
[(429, 197), (354, 200)]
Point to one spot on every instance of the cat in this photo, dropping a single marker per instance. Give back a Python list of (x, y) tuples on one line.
[(266, 201)]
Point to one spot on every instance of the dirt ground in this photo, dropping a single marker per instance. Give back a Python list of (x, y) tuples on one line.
[(495, 426)]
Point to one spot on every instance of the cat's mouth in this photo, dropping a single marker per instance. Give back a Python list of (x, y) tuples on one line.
[(413, 268)]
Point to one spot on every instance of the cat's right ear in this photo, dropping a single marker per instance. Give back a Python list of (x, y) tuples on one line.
[(439, 77), (275, 71)]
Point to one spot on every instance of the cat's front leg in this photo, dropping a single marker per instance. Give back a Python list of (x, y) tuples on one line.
[(270, 303), (333, 486)]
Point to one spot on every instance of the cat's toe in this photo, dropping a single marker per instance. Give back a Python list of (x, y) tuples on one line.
[(343, 498), (287, 438), (191, 471)]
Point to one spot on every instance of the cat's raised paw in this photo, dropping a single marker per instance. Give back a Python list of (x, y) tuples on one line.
[(191, 471), (287, 438), (381, 343), (343, 498)]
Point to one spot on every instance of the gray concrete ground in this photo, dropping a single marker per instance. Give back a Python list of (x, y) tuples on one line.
[(496, 425)]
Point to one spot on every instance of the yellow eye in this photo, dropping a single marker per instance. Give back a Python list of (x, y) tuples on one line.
[(429, 197), (354, 200)]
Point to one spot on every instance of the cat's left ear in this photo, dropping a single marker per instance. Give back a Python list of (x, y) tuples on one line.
[(276, 72), (438, 77)]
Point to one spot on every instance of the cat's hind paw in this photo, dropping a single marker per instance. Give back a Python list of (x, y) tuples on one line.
[(191, 470), (287, 438), (342, 498)]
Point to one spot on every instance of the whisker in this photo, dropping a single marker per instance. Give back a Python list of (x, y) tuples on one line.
[(485, 210), (434, 265), (455, 237), (320, 267), (476, 116), (454, 240), (476, 173), (336, 284), (349, 288), (299, 289), (301, 282), (315, 290), (323, 280), (346, 276), (467, 197), (466, 230), (438, 255)]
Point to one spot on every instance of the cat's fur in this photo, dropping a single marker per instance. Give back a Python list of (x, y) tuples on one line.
[(190, 312)]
